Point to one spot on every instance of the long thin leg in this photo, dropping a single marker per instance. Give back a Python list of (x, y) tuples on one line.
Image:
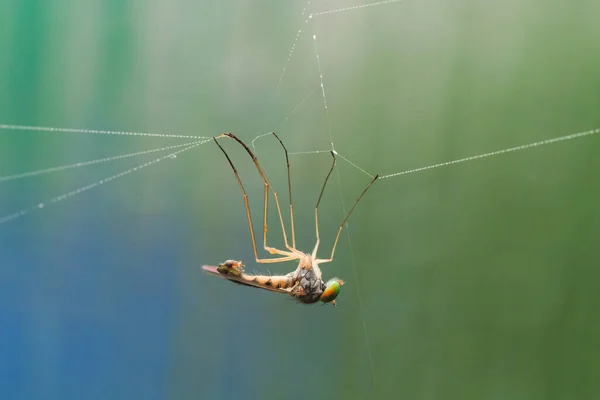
[(337, 237), (287, 256), (267, 187), (314, 253), (287, 162)]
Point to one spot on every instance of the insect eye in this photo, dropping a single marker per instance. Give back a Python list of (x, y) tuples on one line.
[(332, 290)]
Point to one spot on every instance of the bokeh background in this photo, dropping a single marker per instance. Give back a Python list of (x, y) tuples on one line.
[(472, 281)]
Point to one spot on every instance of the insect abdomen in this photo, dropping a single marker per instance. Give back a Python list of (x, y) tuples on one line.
[(276, 282)]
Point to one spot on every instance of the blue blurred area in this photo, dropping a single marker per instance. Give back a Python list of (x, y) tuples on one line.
[(82, 317)]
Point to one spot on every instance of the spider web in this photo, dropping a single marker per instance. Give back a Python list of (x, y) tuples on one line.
[(312, 16), (304, 33)]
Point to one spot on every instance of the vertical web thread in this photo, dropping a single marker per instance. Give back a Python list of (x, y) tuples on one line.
[(344, 210)]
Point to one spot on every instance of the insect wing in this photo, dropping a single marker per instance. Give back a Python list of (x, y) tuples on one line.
[(213, 271)]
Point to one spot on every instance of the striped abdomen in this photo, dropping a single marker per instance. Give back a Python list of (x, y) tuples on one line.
[(271, 282)]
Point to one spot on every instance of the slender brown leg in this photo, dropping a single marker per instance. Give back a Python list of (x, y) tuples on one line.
[(268, 187), (287, 256), (314, 253), (337, 237), (287, 162)]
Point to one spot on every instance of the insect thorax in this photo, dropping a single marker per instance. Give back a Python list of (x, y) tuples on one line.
[(309, 288)]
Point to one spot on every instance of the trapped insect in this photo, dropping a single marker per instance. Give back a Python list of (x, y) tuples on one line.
[(305, 284)]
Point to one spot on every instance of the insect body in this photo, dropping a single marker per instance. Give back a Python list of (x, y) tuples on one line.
[(305, 283)]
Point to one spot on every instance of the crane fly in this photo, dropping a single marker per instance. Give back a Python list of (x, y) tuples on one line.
[(305, 283)]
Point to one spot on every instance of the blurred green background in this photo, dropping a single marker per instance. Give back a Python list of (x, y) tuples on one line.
[(472, 281)]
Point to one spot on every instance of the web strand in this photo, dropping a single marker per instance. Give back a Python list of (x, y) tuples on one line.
[(462, 160), (354, 165), (294, 43), (352, 257), (356, 282), (496, 153), (309, 152), (284, 120), (95, 131), (379, 3), (323, 95), (85, 163), (92, 185), (297, 107)]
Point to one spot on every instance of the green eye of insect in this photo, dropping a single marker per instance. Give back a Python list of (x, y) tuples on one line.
[(333, 289)]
